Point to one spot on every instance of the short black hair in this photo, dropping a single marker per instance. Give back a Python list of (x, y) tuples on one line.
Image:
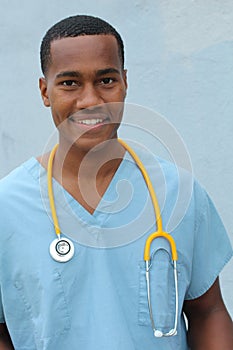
[(75, 26)]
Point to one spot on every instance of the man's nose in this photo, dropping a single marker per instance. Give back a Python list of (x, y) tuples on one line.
[(89, 97)]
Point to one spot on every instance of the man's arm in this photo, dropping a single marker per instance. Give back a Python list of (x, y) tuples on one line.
[(5, 340), (210, 326)]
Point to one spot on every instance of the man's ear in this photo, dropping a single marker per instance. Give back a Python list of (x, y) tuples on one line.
[(43, 91)]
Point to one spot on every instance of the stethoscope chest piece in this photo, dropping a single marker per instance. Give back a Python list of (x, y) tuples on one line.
[(61, 250)]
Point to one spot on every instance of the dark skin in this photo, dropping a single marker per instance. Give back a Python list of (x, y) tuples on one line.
[(5, 340), (210, 326), (86, 71)]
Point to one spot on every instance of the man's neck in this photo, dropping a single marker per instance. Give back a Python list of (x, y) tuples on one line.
[(86, 175), (100, 162)]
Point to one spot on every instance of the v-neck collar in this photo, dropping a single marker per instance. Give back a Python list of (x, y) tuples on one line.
[(105, 203), (68, 203)]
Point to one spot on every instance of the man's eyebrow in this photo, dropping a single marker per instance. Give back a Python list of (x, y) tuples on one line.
[(77, 74), (65, 74), (106, 71)]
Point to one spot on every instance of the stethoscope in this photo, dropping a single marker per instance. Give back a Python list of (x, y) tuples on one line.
[(62, 249)]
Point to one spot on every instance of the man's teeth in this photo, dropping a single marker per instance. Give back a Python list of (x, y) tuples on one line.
[(90, 121)]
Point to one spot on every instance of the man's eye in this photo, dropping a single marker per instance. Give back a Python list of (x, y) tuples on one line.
[(69, 83), (106, 81)]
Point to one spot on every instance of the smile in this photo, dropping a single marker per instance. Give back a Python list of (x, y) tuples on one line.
[(90, 121)]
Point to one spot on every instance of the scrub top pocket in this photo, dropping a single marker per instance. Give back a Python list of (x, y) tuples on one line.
[(162, 290), (47, 311)]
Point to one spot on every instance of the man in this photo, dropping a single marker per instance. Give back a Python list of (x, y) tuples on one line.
[(98, 298)]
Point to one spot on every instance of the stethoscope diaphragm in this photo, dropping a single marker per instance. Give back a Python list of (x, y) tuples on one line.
[(61, 250)]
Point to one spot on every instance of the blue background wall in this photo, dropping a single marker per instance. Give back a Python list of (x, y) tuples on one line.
[(180, 64)]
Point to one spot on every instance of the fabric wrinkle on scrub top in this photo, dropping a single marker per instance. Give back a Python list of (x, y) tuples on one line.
[(98, 300)]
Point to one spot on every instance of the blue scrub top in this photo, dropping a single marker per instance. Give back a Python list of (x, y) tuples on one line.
[(98, 300)]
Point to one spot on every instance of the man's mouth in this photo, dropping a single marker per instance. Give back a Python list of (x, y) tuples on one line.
[(90, 122)]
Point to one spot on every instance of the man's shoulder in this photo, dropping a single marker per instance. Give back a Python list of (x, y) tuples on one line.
[(19, 193), (167, 168), (19, 177)]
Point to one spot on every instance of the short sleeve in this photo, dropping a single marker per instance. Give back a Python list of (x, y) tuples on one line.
[(2, 319), (212, 248)]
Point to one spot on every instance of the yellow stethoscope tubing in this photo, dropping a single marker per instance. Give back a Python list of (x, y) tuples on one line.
[(148, 183), (50, 191), (165, 235), (159, 232)]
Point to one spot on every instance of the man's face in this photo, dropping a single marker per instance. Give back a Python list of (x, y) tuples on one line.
[(83, 80)]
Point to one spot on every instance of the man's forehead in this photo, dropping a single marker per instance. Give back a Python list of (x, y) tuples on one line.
[(84, 41), (85, 49)]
